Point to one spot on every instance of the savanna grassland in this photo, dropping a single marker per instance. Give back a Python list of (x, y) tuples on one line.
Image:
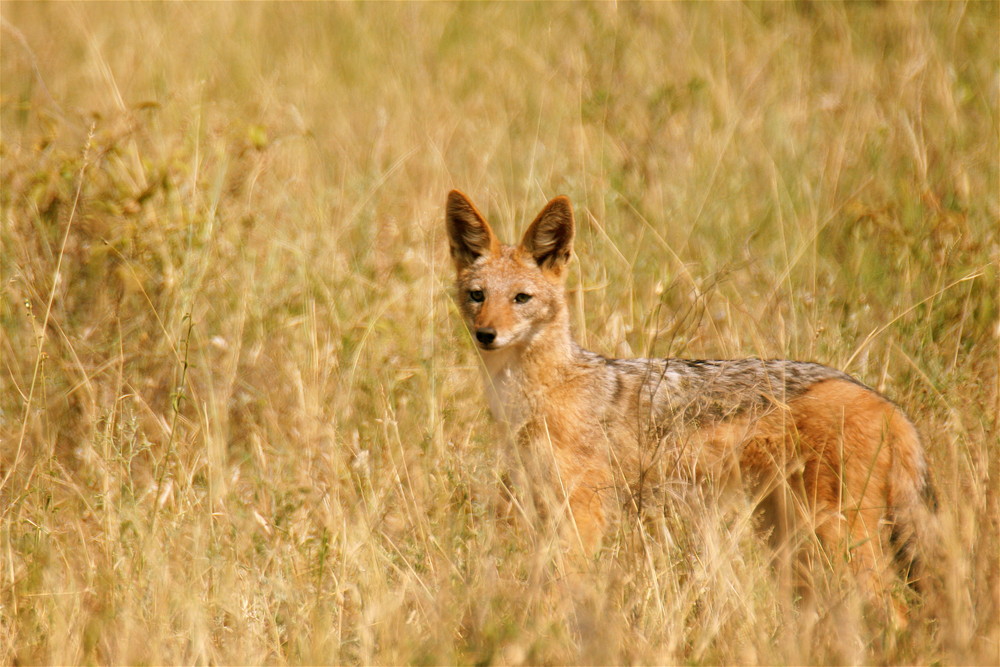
[(242, 422)]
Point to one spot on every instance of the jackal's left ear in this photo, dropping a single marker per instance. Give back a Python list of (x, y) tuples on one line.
[(549, 239), (469, 235)]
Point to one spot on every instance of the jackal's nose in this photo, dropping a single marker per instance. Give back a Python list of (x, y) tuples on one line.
[(486, 335)]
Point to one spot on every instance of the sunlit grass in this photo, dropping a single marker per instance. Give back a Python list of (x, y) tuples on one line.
[(240, 420)]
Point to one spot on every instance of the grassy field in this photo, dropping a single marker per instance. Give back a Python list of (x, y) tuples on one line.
[(242, 422)]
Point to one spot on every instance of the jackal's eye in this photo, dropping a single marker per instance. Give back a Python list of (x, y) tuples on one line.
[(522, 298), (477, 295)]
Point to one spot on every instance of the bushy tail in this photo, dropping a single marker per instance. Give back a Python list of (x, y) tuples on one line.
[(913, 503)]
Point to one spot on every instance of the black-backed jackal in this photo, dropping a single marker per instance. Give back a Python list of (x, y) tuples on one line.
[(810, 440)]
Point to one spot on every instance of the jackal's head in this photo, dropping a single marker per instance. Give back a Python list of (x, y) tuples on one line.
[(509, 295)]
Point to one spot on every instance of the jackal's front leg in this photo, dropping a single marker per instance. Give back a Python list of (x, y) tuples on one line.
[(582, 486), (587, 506)]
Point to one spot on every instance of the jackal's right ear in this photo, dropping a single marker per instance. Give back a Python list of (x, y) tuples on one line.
[(469, 235)]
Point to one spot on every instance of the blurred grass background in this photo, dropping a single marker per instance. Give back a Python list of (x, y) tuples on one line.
[(240, 421)]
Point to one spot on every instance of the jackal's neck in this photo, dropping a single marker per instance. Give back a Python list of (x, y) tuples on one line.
[(517, 377), (550, 352)]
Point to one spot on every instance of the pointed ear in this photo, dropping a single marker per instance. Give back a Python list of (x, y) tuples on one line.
[(469, 235), (549, 239)]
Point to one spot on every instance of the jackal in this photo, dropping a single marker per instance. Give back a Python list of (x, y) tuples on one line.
[(809, 439)]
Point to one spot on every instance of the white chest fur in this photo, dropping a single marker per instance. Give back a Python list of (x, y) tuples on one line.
[(503, 377)]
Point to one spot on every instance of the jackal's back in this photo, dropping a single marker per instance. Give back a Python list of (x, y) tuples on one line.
[(703, 391)]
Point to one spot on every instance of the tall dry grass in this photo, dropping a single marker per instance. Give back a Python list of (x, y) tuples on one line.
[(241, 421)]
